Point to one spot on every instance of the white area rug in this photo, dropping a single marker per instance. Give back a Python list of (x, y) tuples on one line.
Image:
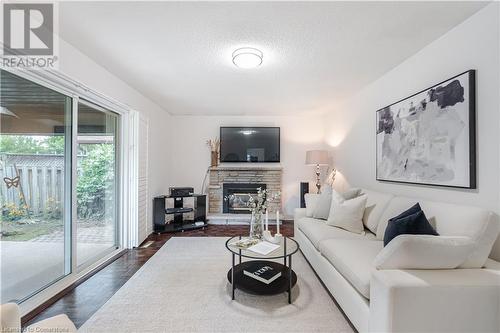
[(183, 288)]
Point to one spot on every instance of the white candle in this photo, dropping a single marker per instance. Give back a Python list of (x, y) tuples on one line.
[(267, 220), (277, 222)]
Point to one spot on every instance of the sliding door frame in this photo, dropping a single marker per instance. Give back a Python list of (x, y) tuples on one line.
[(126, 220), (74, 181), (80, 266)]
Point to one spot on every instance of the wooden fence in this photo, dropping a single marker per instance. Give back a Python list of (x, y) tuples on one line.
[(41, 181)]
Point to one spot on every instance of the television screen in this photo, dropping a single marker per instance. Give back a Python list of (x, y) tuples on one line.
[(249, 144)]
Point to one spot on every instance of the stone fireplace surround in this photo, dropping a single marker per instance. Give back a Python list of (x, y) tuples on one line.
[(268, 175)]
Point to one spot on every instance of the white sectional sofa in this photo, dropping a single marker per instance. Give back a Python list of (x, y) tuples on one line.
[(397, 300)]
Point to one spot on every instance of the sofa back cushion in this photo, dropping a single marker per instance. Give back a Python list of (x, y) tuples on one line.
[(479, 224), (396, 206), (376, 203)]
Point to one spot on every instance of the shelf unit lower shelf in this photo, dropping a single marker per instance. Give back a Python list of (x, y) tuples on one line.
[(178, 210), (254, 287), (175, 227)]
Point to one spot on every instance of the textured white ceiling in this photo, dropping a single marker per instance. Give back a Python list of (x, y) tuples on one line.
[(315, 54)]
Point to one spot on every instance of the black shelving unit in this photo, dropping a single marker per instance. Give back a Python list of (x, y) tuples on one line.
[(179, 223)]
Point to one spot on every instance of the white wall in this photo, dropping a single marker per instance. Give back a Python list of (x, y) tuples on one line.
[(78, 66), (178, 155), (474, 44), (191, 156)]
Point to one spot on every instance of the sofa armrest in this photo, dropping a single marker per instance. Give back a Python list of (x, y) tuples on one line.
[(299, 213), (454, 300), (59, 323), (10, 319)]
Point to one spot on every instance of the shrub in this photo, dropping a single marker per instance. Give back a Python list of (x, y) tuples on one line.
[(53, 208), (11, 212), (95, 189)]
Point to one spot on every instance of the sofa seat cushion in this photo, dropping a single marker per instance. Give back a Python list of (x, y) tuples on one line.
[(317, 230), (353, 258)]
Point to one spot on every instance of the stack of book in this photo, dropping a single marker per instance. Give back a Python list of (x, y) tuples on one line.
[(263, 273)]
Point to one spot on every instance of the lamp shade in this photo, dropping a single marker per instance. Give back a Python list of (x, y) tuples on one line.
[(315, 157)]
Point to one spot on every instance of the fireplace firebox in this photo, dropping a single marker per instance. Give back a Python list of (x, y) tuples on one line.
[(237, 195)]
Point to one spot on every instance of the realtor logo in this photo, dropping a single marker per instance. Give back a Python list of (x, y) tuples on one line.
[(28, 35)]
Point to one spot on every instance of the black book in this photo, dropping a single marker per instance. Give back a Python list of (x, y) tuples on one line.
[(262, 273)]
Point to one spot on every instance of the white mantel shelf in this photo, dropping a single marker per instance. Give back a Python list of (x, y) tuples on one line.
[(235, 219)]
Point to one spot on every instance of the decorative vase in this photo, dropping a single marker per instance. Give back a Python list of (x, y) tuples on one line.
[(215, 159), (256, 226)]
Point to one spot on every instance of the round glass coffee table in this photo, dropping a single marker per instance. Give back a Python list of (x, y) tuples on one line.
[(284, 283)]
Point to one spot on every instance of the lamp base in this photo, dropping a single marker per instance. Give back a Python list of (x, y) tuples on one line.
[(318, 183)]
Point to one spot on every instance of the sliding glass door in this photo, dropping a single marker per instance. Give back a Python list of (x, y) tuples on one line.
[(58, 185), (35, 169), (96, 188)]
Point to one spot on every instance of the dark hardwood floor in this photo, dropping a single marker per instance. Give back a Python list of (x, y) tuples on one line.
[(82, 301)]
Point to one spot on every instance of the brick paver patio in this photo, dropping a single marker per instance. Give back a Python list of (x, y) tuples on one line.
[(97, 235)]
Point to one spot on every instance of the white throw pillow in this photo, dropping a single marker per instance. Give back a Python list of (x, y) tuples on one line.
[(340, 197), (347, 214), (311, 200), (322, 208), (424, 252)]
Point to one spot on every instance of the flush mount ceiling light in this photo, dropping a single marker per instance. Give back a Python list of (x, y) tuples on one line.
[(247, 57)]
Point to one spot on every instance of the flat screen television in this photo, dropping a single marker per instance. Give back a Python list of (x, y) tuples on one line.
[(250, 144)]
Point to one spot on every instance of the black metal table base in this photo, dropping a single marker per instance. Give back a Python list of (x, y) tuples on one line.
[(249, 285)]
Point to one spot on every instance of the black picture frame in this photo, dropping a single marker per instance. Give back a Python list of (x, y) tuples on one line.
[(471, 76)]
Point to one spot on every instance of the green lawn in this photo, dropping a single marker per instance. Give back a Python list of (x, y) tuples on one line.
[(21, 230)]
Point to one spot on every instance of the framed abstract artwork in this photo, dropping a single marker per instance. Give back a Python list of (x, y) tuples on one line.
[(430, 137)]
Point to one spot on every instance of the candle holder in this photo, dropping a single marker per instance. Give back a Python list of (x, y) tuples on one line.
[(268, 237)]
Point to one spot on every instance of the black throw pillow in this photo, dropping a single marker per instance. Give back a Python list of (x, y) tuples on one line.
[(414, 209), (414, 224)]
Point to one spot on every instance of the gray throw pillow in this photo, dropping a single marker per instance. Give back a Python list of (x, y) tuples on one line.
[(351, 193), (322, 209)]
